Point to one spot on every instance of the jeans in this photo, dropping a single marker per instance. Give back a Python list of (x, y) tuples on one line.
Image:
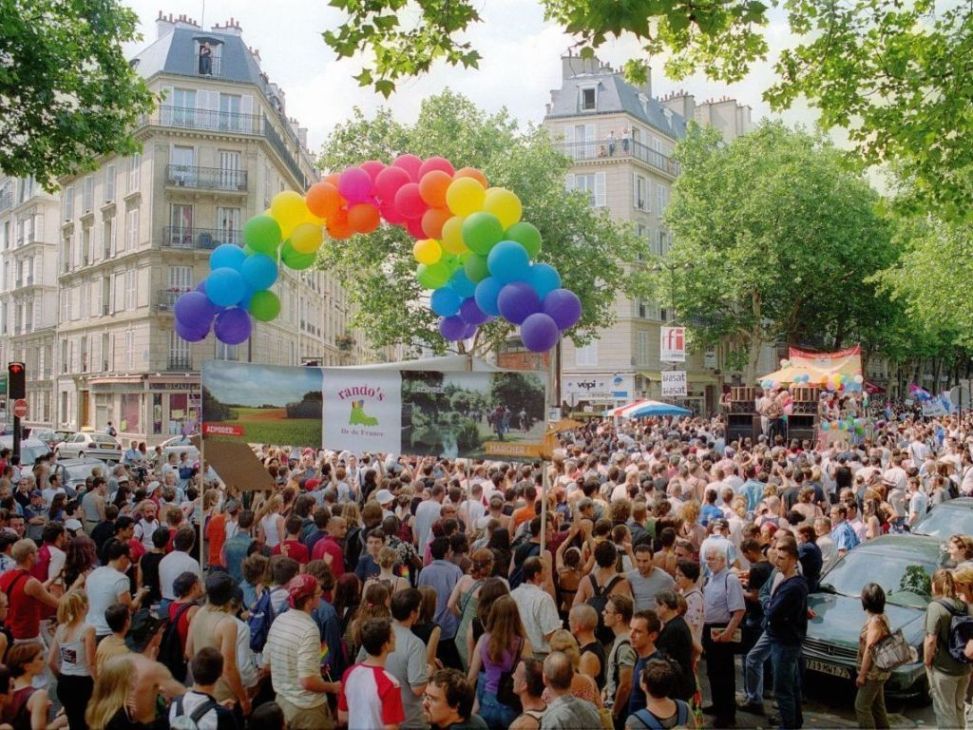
[(787, 688), (948, 693), (496, 715), (753, 672), (870, 705)]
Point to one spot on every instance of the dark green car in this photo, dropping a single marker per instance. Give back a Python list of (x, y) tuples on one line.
[(901, 564)]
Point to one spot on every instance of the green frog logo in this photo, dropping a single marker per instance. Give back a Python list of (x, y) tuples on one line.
[(359, 417)]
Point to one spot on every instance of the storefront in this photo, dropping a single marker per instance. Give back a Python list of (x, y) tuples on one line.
[(150, 408)]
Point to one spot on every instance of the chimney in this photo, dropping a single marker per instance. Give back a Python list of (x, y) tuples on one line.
[(231, 27), (302, 136), (681, 103), (572, 66), (184, 21), (164, 25)]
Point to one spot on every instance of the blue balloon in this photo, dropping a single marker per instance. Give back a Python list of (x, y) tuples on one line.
[(544, 278), (227, 255), (486, 295), (445, 301), (226, 287), (259, 271), (461, 284), (452, 328), (517, 302), (509, 261)]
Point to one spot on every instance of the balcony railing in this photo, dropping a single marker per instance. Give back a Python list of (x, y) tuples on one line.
[(209, 66), (165, 300), (604, 149), (207, 178), (202, 239), (179, 362)]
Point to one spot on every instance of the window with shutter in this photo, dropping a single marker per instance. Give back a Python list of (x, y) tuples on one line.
[(109, 188), (89, 194), (132, 234), (601, 192), (134, 173), (130, 289), (639, 193)]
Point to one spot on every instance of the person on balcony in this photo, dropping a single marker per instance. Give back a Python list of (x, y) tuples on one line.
[(205, 60)]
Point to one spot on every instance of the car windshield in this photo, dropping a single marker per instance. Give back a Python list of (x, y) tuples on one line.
[(944, 521), (857, 568)]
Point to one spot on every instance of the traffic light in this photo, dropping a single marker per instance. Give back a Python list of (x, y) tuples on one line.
[(16, 380)]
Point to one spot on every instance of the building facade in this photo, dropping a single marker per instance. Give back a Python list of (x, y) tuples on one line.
[(621, 140), (125, 241)]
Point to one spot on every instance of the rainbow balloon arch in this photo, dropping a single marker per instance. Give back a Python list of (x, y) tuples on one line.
[(473, 251)]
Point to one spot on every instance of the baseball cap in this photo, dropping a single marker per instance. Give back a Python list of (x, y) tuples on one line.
[(36, 493), (384, 496), (301, 587), (72, 524)]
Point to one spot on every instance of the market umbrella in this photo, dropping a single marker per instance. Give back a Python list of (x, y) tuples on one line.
[(649, 408)]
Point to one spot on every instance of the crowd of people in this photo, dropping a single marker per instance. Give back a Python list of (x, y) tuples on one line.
[(374, 591)]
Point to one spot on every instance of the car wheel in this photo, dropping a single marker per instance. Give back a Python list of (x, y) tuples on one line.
[(80, 454)]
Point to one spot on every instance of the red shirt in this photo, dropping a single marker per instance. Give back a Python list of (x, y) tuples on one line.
[(24, 614), (294, 549), (330, 546), (216, 535)]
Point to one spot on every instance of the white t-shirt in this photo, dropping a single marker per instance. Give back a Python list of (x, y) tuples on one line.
[(371, 696), (103, 586), (144, 531), (190, 702), (56, 564), (171, 566)]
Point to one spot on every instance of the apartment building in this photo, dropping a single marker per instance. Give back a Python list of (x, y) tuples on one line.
[(130, 237), (621, 140)]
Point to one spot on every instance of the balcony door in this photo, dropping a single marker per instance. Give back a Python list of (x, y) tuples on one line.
[(228, 222), (181, 226), (183, 169), (230, 177)]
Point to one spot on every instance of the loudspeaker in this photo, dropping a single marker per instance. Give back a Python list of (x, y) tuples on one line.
[(802, 427), (740, 426)]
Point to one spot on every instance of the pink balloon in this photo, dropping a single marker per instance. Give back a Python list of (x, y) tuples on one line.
[(388, 182), (391, 215), (436, 163), (409, 163), (409, 202), (414, 227), (355, 185), (372, 167)]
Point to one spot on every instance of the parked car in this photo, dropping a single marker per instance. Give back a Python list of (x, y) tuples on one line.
[(831, 644), (178, 445), (953, 517), (30, 448), (74, 472), (99, 445), (46, 435)]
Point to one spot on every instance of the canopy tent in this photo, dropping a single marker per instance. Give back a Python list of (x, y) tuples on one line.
[(790, 374), (648, 409)]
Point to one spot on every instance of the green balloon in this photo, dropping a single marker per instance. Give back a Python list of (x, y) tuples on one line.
[(262, 234), (481, 232), (264, 305), (433, 276), (476, 268), (527, 235), (295, 259)]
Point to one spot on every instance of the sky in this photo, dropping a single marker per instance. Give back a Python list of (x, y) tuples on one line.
[(245, 384), (520, 62)]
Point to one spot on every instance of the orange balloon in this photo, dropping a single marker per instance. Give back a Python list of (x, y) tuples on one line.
[(473, 173), (363, 218), (338, 226), (432, 188), (323, 200), (333, 179), (433, 220)]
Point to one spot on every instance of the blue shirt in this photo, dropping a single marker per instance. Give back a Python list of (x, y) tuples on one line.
[(442, 576), (754, 492), (636, 698), (234, 553), (332, 657), (367, 568), (844, 537), (722, 597), (709, 512)]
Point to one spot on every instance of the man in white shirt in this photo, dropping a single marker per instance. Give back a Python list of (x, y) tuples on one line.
[(538, 612), (108, 585), (177, 562), (146, 526), (427, 513), (471, 511)]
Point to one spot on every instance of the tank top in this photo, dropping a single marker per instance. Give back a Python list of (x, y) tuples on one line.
[(16, 712), (90, 509), (596, 648), (24, 613), (202, 629), (269, 525), (73, 652), (492, 670)]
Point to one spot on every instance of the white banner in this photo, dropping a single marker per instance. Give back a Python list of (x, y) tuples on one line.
[(672, 344), (673, 383), (363, 410), (596, 387)]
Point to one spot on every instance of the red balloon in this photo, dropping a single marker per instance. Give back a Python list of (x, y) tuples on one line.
[(414, 227), (436, 163), (372, 167), (388, 182), (409, 202), (323, 199), (432, 188), (409, 163), (433, 220), (390, 215), (363, 218), (338, 226)]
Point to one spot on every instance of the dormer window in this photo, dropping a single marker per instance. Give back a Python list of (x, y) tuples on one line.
[(589, 99), (209, 55)]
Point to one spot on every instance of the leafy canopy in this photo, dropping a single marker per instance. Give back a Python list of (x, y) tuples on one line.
[(67, 94), (595, 256)]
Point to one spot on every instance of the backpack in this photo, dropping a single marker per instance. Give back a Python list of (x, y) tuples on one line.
[(261, 618), (598, 601), (960, 632), (171, 651), (517, 577), (650, 721), (191, 721)]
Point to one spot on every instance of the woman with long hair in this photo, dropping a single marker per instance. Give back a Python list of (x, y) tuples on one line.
[(72, 656), (426, 628), (108, 709), (375, 604), (496, 654), (499, 544), (386, 562), (462, 601), (347, 598), (870, 700), (56, 512), (948, 678), (270, 521), (81, 557), (28, 709)]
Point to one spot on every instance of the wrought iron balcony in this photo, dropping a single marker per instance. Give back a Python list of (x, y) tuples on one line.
[(165, 300), (208, 119), (202, 239), (610, 149), (206, 178)]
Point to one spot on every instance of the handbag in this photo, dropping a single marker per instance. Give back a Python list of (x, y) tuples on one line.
[(893, 651)]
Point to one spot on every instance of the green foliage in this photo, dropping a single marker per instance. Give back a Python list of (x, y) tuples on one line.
[(594, 255), (67, 94), (774, 240), (519, 390)]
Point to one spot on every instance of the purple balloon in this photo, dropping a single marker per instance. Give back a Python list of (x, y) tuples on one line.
[(452, 328), (201, 286), (232, 326), (355, 185), (194, 309), (517, 302), (539, 332), (193, 333), (471, 313), (469, 331), (564, 308)]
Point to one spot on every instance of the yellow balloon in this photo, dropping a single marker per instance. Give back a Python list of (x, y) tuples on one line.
[(289, 210), (504, 204), (307, 237), (464, 196), (427, 251), (453, 235)]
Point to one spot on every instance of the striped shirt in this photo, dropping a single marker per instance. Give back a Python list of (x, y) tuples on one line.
[(293, 651)]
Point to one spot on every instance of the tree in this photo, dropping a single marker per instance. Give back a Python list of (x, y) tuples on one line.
[(67, 93), (596, 257), (898, 76), (774, 240)]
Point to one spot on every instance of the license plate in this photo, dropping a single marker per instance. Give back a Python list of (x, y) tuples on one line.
[(835, 671)]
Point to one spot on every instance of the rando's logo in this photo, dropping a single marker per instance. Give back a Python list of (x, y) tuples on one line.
[(359, 391), (358, 416)]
